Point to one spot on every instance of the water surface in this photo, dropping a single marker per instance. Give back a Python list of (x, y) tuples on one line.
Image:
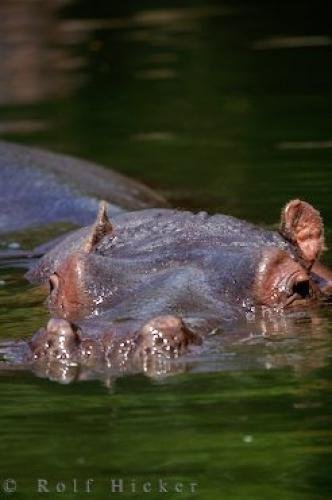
[(220, 106)]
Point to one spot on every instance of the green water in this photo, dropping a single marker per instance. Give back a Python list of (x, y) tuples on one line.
[(220, 106)]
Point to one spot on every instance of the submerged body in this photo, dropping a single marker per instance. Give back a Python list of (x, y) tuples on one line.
[(149, 284), (38, 188)]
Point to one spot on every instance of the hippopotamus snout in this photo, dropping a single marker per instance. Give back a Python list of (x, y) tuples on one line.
[(164, 337)]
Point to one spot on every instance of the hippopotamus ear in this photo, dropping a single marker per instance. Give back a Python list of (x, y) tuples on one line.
[(302, 225), (101, 228)]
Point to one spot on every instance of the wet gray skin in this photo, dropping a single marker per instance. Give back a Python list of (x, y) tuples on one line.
[(160, 230), (145, 286), (150, 285), (38, 188)]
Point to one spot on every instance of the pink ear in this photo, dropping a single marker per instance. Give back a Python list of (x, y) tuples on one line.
[(101, 227), (302, 225)]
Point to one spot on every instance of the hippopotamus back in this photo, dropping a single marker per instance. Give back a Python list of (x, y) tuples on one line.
[(37, 187)]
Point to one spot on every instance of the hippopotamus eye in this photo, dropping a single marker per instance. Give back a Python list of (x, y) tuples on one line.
[(282, 281), (53, 282), (302, 289)]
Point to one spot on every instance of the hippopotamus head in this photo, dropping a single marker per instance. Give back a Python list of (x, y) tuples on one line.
[(99, 267), (148, 284)]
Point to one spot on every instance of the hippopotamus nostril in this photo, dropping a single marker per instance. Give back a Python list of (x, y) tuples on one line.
[(60, 341), (164, 335), (60, 327), (49, 343)]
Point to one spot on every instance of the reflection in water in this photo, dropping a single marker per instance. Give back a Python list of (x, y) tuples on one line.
[(32, 67), (271, 340), (292, 42), (154, 136), (156, 74), (179, 16), (36, 63), (22, 126), (305, 145), (168, 18)]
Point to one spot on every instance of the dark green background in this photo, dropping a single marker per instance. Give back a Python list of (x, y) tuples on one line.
[(220, 106)]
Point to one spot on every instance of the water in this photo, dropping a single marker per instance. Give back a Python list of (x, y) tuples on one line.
[(220, 106)]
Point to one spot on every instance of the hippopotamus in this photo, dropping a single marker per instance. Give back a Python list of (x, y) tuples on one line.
[(38, 188), (147, 286)]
